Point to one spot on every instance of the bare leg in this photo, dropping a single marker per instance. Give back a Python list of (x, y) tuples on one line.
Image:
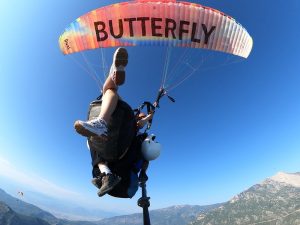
[(109, 103), (110, 89), (98, 126)]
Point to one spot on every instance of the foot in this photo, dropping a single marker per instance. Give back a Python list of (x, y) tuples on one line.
[(97, 181), (95, 127), (109, 181), (117, 71)]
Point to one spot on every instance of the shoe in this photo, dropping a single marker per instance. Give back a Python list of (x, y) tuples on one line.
[(97, 181), (117, 70), (95, 127), (109, 181), (120, 57)]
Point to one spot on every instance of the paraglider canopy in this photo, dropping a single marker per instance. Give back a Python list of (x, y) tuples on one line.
[(156, 23), (155, 0)]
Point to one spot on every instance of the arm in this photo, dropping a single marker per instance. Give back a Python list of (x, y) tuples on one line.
[(142, 122)]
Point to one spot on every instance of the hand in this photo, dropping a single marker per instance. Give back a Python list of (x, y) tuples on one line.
[(150, 115)]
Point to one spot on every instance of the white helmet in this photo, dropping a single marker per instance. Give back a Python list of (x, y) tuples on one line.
[(150, 148)]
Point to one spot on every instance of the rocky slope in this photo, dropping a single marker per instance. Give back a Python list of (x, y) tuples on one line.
[(175, 215), (9, 217), (275, 201)]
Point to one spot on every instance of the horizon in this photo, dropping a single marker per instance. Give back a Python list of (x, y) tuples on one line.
[(291, 179)]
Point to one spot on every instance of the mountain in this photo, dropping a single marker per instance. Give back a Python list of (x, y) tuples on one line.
[(58, 207), (26, 209), (23, 213), (9, 217), (14, 211), (274, 201), (175, 215), (66, 210)]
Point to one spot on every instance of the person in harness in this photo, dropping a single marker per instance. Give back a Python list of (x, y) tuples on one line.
[(142, 149), (113, 137)]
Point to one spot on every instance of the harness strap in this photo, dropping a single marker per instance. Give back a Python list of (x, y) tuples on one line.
[(152, 107)]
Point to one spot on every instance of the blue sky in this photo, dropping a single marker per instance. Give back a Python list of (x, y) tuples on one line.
[(231, 126)]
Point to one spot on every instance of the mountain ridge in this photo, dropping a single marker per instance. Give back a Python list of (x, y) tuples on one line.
[(178, 214), (24, 208), (10, 217), (275, 200), (271, 200), (292, 179)]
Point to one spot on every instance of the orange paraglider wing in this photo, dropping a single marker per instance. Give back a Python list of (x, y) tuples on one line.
[(156, 23)]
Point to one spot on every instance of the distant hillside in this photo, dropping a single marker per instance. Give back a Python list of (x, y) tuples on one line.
[(276, 201), (23, 213), (9, 217), (175, 215), (26, 209)]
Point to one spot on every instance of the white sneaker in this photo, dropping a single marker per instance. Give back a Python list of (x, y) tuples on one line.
[(95, 127), (117, 69), (120, 57)]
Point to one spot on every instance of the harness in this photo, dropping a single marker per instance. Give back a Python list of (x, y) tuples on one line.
[(151, 107), (144, 201)]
